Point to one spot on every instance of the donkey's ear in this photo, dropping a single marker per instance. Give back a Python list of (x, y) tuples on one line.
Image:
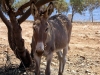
[(34, 10), (49, 10)]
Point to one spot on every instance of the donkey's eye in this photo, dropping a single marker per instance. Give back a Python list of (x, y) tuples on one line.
[(46, 29)]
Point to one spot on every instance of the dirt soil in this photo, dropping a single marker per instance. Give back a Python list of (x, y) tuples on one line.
[(83, 58)]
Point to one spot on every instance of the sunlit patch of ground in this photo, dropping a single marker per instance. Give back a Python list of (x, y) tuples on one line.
[(83, 58)]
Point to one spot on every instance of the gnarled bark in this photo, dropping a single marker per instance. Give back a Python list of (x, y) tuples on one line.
[(15, 39)]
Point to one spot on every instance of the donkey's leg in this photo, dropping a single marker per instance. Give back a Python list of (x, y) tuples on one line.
[(64, 57), (37, 67), (49, 58), (60, 62)]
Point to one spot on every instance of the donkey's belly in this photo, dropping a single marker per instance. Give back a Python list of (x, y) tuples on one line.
[(61, 41), (60, 45)]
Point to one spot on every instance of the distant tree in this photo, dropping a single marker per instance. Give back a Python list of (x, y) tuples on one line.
[(91, 5), (77, 7), (21, 8), (61, 6)]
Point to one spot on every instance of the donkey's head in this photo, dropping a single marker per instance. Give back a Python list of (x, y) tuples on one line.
[(40, 26)]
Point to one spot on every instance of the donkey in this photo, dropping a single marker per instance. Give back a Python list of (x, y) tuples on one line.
[(49, 35)]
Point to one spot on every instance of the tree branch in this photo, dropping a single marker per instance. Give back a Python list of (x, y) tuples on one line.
[(28, 12), (42, 2), (5, 6), (20, 10), (4, 19), (24, 16)]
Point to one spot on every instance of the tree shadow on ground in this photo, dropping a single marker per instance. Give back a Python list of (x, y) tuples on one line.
[(15, 70)]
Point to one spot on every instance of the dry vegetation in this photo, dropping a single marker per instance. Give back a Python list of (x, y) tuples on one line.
[(83, 58)]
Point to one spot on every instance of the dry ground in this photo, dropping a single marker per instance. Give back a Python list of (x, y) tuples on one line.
[(83, 58)]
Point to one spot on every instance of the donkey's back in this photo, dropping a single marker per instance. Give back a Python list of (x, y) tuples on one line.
[(62, 30)]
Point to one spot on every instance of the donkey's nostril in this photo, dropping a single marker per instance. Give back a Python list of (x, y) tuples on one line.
[(39, 52)]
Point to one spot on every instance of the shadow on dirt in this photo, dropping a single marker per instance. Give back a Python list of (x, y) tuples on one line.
[(15, 70)]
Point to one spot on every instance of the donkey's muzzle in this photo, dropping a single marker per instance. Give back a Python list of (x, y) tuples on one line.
[(39, 48), (39, 52)]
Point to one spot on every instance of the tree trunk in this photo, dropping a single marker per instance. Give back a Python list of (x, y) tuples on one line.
[(15, 38), (19, 50), (72, 14), (92, 16)]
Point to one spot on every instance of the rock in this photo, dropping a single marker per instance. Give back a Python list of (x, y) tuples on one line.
[(53, 63), (87, 71), (44, 63), (73, 71)]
